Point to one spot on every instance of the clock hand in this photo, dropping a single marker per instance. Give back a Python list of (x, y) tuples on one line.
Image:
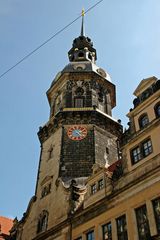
[(79, 134)]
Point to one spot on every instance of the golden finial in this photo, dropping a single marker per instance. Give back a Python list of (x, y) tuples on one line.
[(82, 27), (83, 12)]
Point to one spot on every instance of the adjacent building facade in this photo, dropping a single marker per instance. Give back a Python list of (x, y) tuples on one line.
[(95, 181), (5, 225), (126, 205)]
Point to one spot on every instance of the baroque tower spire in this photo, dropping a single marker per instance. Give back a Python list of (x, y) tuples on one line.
[(81, 97), (82, 26), (82, 47)]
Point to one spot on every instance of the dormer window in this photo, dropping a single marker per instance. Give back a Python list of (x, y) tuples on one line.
[(143, 121), (157, 110)]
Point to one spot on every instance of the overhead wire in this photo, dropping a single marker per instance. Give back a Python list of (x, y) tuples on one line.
[(48, 40)]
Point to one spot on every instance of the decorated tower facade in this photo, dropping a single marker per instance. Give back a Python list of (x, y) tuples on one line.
[(79, 134)]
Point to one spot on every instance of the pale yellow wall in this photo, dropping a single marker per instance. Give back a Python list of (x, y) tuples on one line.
[(93, 198), (154, 135), (127, 207), (90, 199), (152, 130), (146, 108)]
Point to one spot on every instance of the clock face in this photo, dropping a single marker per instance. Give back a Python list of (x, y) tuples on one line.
[(77, 132)]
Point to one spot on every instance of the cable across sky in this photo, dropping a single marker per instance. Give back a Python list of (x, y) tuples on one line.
[(48, 40)]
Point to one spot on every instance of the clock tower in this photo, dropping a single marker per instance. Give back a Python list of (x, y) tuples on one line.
[(79, 134), (81, 99)]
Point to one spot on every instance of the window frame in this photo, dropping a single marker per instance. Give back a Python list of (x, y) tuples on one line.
[(144, 151), (156, 216), (136, 158), (143, 120), (93, 189), (107, 231), (157, 110), (42, 222), (100, 184), (142, 222), (92, 235), (76, 104), (149, 147), (122, 235)]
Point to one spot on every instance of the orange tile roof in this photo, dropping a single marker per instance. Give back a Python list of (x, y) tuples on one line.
[(5, 225)]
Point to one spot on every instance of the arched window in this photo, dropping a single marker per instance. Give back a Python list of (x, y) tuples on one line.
[(79, 98), (157, 110), (143, 121), (80, 54), (42, 222)]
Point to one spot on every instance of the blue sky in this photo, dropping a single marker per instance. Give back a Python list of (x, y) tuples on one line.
[(126, 35)]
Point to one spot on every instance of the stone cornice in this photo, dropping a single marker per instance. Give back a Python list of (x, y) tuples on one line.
[(144, 104), (130, 138), (79, 117)]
